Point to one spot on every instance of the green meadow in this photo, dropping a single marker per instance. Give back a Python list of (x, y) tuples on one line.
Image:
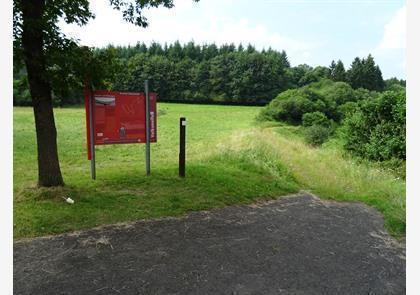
[(231, 159)]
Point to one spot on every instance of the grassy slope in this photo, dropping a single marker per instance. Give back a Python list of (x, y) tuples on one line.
[(229, 161), (121, 191), (330, 173)]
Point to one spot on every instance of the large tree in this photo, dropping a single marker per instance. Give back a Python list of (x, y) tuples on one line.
[(44, 49), (364, 73), (337, 71)]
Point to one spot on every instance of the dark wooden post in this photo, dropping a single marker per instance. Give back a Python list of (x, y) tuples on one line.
[(182, 124)]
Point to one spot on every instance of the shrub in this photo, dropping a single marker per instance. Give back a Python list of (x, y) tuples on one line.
[(362, 94), (267, 114), (347, 109), (316, 135), (377, 129), (333, 99), (21, 95), (290, 105), (327, 102), (333, 94), (315, 118), (339, 92)]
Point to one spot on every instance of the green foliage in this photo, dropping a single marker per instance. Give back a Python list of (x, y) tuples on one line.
[(203, 73), (67, 65), (60, 56), (314, 75), (373, 122), (377, 129), (324, 96), (315, 118), (67, 70), (67, 74), (21, 95), (316, 135), (347, 109), (364, 73), (337, 71), (295, 74), (333, 94), (290, 105), (394, 84), (188, 72), (304, 74)]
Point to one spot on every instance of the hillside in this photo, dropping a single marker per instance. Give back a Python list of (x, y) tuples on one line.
[(231, 159)]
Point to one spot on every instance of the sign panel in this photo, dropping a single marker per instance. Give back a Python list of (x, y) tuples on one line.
[(118, 117)]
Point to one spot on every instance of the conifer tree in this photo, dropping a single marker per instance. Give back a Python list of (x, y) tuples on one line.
[(337, 71)]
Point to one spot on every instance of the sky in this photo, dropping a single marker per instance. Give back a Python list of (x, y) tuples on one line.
[(314, 32)]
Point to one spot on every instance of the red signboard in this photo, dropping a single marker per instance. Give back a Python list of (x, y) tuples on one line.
[(118, 117)]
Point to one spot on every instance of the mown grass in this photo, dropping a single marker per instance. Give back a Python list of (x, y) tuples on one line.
[(122, 192), (230, 160)]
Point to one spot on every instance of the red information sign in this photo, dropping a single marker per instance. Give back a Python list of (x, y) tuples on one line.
[(118, 117)]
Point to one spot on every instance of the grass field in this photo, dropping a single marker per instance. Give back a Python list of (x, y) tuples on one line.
[(231, 159)]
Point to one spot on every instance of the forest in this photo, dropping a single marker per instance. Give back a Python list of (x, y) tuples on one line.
[(208, 73), (356, 105)]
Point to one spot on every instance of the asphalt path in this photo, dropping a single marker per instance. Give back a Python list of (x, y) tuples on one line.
[(294, 245)]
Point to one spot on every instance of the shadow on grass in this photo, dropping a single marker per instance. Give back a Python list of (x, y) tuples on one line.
[(126, 195)]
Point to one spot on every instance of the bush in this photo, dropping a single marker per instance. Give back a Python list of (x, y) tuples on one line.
[(21, 95), (315, 118), (325, 96), (347, 109), (377, 129), (334, 94), (316, 135), (267, 114), (290, 105)]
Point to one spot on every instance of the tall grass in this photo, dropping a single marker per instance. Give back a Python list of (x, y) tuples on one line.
[(326, 172)]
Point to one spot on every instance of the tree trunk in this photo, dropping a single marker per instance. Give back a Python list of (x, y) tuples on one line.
[(49, 173)]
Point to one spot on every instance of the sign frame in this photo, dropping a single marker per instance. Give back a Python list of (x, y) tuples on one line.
[(100, 102)]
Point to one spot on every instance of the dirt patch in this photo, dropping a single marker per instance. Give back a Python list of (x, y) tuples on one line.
[(294, 245)]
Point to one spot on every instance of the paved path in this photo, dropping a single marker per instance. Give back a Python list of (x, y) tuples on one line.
[(294, 245)]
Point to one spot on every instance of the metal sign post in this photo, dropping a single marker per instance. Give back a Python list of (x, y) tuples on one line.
[(146, 92), (92, 135)]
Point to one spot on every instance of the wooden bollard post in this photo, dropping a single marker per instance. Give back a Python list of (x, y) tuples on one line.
[(182, 125)]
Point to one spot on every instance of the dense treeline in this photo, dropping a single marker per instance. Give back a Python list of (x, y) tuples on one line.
[(205, 73), (208, 73)]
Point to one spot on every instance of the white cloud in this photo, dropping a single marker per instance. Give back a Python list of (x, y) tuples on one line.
[(395, 31), (204, 22), (389, 53)]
